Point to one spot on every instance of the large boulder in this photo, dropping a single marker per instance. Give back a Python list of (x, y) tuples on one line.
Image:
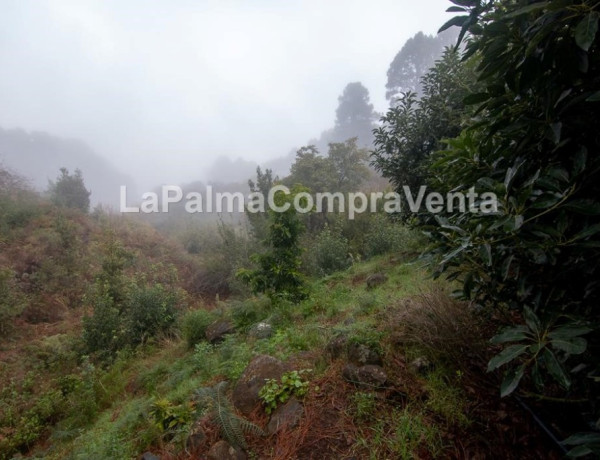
[(285, 416), (217, 331), (245, 394)]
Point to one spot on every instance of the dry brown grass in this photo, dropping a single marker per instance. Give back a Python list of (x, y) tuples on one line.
[(439, 326)]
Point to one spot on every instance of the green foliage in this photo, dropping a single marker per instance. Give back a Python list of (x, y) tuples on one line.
[(364, 406), (149, 311), (250, 311), (69, 191), (104, 332), (278, 273), (11, 302), (194, 324), (413, 128), (18, 203), (219, 409), (541, 347), (328, 253), (354, 115), (126, 313), (445, 397), (389, 236), (405, 435), (291, 384), (259, 220), (169, 417), (585, 444), (412, 62), (532, 146), (342, 170), (227, 359)]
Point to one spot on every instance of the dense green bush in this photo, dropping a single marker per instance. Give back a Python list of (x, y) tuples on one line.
[(533, 147), (250, 311), (69, 191), (387, 235), (11, 303), (150, 311), (194, 324), (104, 330), (277, 272), (329, 252)]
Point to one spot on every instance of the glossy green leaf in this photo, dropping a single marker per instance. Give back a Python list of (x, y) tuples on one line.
[(585, 32), (555, 369), (505, 356), (585, 206), (527, 9), (573, 346), (511, 380), (455, 21), (513, 334)]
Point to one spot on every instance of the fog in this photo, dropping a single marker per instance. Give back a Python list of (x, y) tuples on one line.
[(163, 88)]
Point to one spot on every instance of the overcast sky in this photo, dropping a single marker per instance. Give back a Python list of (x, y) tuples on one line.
[(163, 87)]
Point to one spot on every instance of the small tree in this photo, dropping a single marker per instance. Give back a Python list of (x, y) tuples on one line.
[(69, 191), (278, 273)]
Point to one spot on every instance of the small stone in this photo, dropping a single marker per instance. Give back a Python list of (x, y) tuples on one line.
[(362, 355), (149, 456), (196, 439), (222, 450), (420, 365), (336, 348), (376, 279), (285, 416), (368, 376), (261, 330), (217, 331)]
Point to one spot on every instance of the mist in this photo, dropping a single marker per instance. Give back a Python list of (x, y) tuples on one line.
[(162, 90)]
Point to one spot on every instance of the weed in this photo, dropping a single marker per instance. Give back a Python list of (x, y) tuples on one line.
[(194, 324), (364, 405), (291, 384)]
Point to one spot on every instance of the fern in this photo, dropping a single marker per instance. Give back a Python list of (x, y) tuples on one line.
[(221, 413)]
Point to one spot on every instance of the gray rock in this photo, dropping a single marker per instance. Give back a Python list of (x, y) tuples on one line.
[(222, 450), (245, 394), (196, 439), (217, 331), (361, 355), (149, 456), (285, 416), (336, 348), (376, 279), (421, 365), (261, 330), (368, 376)]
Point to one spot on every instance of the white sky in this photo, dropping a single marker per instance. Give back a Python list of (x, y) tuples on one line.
[(163, 87)]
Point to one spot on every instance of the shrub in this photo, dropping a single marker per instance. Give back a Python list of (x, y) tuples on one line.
[(150, 311), (194, 324), (11, 304), (69, 191), (250, 311), (103, 331), (440, 326), (386, 236), (276, 392), (329, 253), (277, 273)]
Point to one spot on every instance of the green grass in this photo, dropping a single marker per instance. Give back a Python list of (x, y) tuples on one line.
[(118, 425)]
